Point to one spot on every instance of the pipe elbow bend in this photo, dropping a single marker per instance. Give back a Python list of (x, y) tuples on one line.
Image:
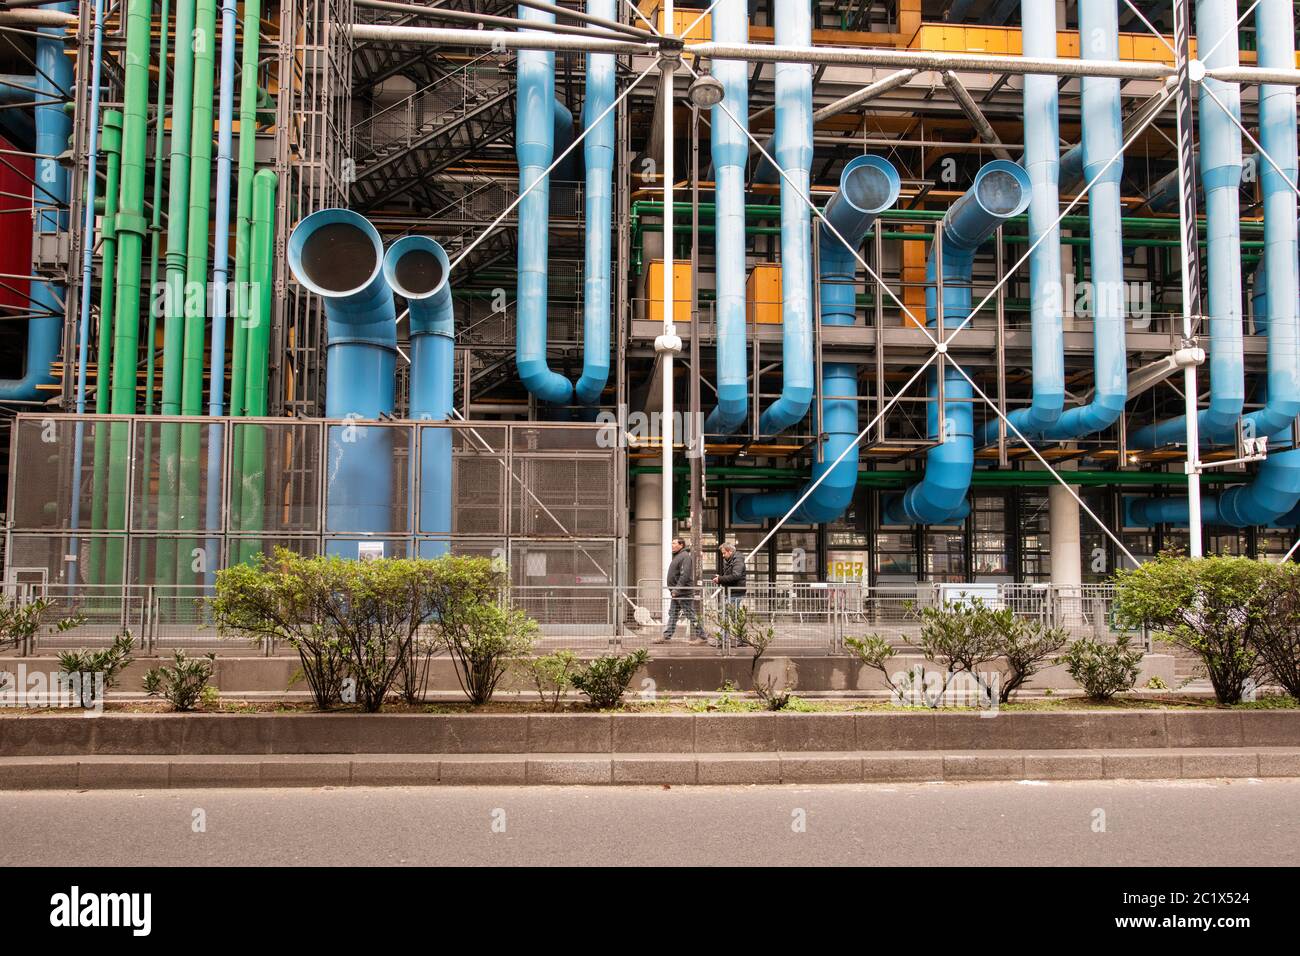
[(787, 410), (827, 503), (549, 386), (730, 414), (928, 502), (1273, 493), (592, 383)]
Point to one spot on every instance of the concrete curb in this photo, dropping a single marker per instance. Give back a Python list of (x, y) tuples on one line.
[(118, 734), (770, 767)]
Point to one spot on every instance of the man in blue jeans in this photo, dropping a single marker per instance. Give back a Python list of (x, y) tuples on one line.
[(681, 586)]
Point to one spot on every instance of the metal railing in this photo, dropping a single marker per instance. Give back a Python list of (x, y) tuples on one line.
[(804, 618)]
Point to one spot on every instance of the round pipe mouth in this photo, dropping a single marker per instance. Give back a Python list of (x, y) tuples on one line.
[(870, 184), (335, 253), (1002, 188), (416, 267)]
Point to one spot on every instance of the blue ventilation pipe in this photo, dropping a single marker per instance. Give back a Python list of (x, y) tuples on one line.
[(1221, 159), (417, 269), (1289, 520), (1001, 190), (1042, 162), (54, 81), (1275, 491), (535, 150), (730, 152), (598, 158), (794, 152), (337, 254), (1275, 30), (1103, 139), (868, 186)]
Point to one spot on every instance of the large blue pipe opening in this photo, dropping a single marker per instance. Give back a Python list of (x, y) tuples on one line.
[(417, 269), (868, 186), (1001, 191), (338, 255)]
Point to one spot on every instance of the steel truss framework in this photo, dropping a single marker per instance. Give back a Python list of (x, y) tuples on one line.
[(669, 53)]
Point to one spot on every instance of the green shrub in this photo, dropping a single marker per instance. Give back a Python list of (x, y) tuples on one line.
[(1102, 670), (747, 631), (1214, 607), (274, 598), (551, 674), (1279, 633), (182, 682), (364, 620), (973, 638), (77, 666), (605, 679), (20, 620), (1026, 647)]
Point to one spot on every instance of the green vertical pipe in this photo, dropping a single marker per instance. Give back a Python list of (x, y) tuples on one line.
[(144, 546), (200, 203), (261, 273), (111, 144), (261, 267), (244, 200), (178, 191), (242, 306), (155, 224), (129, 227), (196, 285), (130, 223)]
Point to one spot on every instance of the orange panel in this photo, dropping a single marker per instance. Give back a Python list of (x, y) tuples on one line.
[(654, 291), (763, 294), (914, 255)]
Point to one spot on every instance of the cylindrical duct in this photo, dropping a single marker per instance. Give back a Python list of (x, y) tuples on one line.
[(1001, 190), (417, 269), (337, 254), (868, 186)]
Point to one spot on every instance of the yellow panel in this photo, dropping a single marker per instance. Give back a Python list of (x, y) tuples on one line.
[(654, 291), (682, 18), (763, 294), (1000, 41)]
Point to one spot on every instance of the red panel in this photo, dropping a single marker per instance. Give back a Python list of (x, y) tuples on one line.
[(15, 225)]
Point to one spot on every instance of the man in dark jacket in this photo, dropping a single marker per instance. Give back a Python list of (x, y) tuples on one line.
[(731, 575), (681, 586)]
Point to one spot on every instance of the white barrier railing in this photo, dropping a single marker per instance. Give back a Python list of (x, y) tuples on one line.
[(804, 617)]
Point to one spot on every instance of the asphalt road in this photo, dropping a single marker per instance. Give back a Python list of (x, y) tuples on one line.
[(1175, 823)]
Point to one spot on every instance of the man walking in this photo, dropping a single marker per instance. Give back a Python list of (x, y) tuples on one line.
[(681, 586)]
